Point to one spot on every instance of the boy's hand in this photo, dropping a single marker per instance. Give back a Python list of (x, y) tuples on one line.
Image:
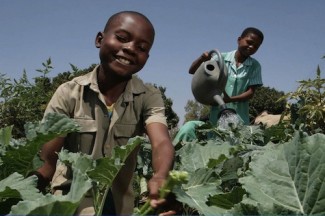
[(153, 185), (226, 97), (205, 57), (42, 182)]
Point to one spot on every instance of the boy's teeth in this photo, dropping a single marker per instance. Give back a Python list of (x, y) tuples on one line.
[(124, 61)]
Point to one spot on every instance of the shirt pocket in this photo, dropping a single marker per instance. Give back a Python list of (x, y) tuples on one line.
[(123, 132), (84, 140)]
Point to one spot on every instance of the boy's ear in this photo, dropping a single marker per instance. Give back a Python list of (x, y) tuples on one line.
[(99, 38)]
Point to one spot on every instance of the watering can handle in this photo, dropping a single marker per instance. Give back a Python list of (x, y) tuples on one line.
[(220, 59)]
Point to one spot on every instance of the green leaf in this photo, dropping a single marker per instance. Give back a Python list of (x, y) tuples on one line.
[(60, 204), (5, 136), (289, 178), (79, 161), (57, 204), (15, 188), (227, 200), (202, 184), (230, 168), (108, 167), (54, 125), (21, 159), (194, 156)]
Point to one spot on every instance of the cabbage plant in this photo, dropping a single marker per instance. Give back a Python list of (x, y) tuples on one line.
[(18, 193)]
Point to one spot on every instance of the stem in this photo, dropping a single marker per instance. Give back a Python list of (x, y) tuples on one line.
[(174, 178), (145, 209)]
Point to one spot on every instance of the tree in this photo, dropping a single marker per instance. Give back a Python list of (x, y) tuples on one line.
[(172, 117), (266, 99), (24, 101), (306, 105), (195, 110)]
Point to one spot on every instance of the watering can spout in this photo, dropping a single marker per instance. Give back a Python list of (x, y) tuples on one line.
[(209, 81), (220, 101), (224, 110)]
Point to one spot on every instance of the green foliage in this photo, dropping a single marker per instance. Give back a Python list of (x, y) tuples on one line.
[(251, 170), (57, 204), (15, 188), (19, 102), (23, 101), (233, 171), (18, 194), (231, 177), (5, 136), (107, 168), (266, 99), (172, 117), (289, 177), (306, 105), (17, 160), (195, 110), (20, 158)]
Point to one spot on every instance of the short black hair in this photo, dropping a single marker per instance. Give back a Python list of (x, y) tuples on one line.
[(253, 30), (114, 16)]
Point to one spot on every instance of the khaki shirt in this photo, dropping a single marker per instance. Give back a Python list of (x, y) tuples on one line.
[(138, 106)]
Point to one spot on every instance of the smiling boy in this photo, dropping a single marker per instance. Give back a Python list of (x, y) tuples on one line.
[(111, 106)]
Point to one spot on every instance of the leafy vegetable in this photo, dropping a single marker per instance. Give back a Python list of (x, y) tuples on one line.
[(289, 178), (175, 178), (19, 196), (20, 159)]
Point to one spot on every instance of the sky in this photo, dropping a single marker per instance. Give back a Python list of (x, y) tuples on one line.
[(294, 37)]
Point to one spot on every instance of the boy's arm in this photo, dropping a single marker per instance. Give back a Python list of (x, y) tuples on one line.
[(248, 94), (162, 158), (196, 64), (49, 156)]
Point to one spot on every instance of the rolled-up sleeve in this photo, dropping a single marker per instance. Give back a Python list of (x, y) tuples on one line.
[(154, 109), (157, 116)]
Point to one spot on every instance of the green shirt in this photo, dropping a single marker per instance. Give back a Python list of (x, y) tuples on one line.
[(239, 79)]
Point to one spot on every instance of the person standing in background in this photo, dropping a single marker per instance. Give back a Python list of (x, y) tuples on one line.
[(244, 74)]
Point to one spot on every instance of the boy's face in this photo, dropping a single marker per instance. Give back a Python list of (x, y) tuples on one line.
[(249, 44), (125, 45)]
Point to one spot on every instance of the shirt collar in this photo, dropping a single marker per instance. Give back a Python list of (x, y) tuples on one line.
[(230, 57), (134, 86)]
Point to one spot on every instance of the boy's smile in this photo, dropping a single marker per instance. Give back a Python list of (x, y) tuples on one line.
[(123, 60)]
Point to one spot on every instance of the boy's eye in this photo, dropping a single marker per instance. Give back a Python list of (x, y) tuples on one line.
[(121, 38), (143, 48)]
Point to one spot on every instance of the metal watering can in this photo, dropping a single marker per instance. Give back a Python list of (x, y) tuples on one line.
[(209, 82)]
